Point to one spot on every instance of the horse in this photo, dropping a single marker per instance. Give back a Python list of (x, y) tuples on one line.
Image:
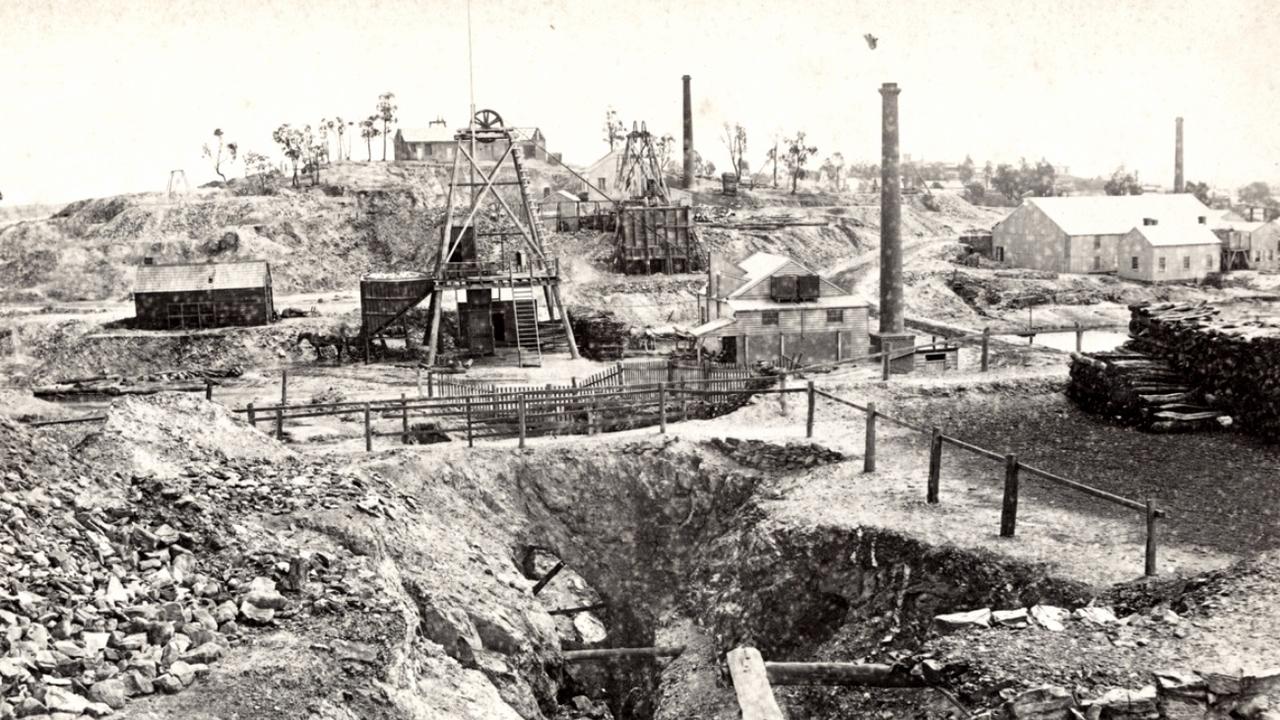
[(319, 341)]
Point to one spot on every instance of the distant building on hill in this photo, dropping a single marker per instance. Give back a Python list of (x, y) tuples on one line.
[(768, 307), (1081, 234), (436, 142), (204, 295)]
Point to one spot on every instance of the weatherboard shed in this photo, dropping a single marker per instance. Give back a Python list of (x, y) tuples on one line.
[(203, 295)]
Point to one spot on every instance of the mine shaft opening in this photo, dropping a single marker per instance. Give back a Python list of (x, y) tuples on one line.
[(682, 539)]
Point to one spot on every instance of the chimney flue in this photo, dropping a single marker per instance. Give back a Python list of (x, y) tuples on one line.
[(688, 135), (1178, 184), (891, 317)]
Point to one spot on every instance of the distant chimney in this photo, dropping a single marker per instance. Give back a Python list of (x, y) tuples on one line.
[(148, 261), (688, 135), (1178, 185), (1150, 221)]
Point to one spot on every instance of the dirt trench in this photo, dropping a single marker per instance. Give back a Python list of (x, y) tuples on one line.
[(678, 544)]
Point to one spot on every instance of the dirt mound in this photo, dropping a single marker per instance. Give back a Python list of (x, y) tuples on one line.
[(159, 434)]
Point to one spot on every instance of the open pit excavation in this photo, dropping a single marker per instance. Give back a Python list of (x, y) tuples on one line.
[(465, 406)]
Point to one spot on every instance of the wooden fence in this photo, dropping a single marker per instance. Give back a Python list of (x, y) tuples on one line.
[(483, 411), (1013, 471)]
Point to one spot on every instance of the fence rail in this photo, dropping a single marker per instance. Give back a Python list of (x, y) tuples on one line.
[(1013, 470)]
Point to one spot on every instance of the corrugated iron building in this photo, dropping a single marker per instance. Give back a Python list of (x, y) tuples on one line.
[(204, 295)]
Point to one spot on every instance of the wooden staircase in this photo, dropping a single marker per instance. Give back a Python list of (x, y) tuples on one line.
[(528, 339)]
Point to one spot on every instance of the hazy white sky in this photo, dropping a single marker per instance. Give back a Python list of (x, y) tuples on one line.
[(106, 97)]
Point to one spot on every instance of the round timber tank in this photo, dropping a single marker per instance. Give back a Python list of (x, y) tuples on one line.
[(386, 296)]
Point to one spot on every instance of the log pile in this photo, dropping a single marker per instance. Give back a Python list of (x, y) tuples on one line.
[(107, 386), (601, 335), (762, 455), (1138, 389), (1232, 352)]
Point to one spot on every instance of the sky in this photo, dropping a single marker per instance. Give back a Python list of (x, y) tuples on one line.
[(106, 97)]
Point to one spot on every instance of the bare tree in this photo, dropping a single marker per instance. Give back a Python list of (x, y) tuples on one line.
[(293, 143), (797, 155), (215, 155), (614, 130), (260, 165), (663, 150), (341, 128), (735, 140), (387, 114), (369, 131)]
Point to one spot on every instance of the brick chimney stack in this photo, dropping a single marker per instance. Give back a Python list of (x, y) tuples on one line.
[(688, 136), (1178, 184)]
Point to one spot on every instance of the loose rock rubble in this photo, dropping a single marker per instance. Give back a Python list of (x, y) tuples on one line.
[(770, 456), (119, 585)]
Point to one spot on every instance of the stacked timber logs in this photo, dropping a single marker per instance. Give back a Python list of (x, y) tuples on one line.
[(1231, 352), (1138, 389)]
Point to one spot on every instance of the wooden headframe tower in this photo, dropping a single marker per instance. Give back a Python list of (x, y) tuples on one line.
[(640, 173), (652, 233), (491, 249)]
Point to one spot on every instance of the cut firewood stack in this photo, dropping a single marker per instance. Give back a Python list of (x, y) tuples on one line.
[(1138, 389), (1232, 352), (1189, 366)]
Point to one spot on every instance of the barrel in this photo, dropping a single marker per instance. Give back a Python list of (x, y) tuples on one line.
[(730, 183)]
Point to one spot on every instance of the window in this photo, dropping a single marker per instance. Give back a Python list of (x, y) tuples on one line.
[(1097, 242), (1133, 263), (1208, 261), (1160, 264), (1186, 263), (1097, 262), (769, 317), (835, 316), (999, 254)]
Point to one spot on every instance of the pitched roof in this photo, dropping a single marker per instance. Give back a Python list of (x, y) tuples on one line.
[(1174, 235), (202, 276), (432, 134), (1117, 214), (761, 265)]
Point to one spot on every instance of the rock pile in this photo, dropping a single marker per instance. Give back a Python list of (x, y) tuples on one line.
[(116, 586), (771, 456)]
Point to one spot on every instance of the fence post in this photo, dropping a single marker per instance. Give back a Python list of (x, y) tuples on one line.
[(869, 453), (1079, 336), (808, 426), (662, 407), (368, 428), (1153, 519), (1009, 509), (404, 420), (253, 419), (782, 396), (684, 402), (284, 386), (520, 418), (884, 362), (593, 417), (470, 440), (431, 384), (418, 368), (986, 338), (935, 466), (208, 389)]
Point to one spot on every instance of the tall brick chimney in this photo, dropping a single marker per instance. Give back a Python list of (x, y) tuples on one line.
[(892, 335), (1178, 184), (688, 136)]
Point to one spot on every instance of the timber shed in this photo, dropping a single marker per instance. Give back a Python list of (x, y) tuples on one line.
[(770, 307), (203, 295)]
